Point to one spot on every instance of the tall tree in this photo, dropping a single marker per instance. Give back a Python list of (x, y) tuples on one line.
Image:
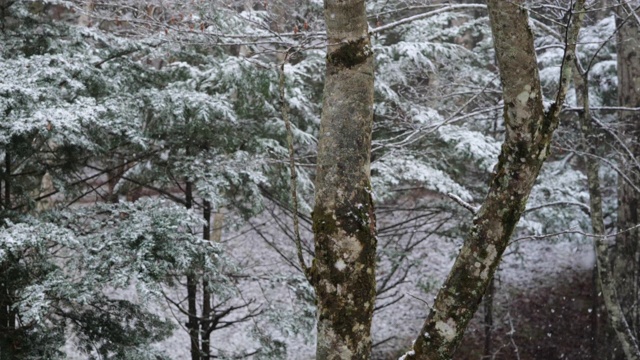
[(605, 281), (627, 250), (343, 273), (529, 128)]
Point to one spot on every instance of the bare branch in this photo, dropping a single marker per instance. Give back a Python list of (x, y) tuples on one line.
[(463, 203), (424, 15)]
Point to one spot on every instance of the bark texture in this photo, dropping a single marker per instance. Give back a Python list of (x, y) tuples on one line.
[(343, 271), (627, 250), (528, 135)]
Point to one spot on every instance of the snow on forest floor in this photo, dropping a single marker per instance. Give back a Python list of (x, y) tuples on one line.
[(535, 264)]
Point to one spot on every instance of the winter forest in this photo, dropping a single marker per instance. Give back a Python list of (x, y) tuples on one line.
[(320, 179)]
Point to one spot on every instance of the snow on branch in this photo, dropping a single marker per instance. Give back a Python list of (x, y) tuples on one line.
[(463, 203), (424, 15)]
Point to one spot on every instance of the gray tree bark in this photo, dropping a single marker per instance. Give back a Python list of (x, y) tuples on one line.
[(343, 271), (529, 129), (626, 256)]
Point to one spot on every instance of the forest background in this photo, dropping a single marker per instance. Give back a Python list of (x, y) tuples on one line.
[(146, 196)]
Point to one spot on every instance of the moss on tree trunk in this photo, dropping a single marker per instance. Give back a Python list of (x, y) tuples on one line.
[(343, 271)]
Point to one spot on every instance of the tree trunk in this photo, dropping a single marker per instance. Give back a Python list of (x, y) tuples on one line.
[(206, 295), (213, 234), (192, 292), (7, 322), (529, 129), (580, 83), (616, 316), (343, 272), (627, 249)]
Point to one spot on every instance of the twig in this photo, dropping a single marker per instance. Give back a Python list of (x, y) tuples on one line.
[(421, 300), (610, 164), (618, 140), (383, 341), (510, 333)]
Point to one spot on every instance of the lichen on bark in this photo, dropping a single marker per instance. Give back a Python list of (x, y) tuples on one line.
[(343, 217), (345, 284)]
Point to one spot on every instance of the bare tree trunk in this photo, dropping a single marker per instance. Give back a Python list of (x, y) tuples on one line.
[(627, 249), (343, 272), (192, 292), (581, 86), (6, 317), (529, 129), (616, 315)]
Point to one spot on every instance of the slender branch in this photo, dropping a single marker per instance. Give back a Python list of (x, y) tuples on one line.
[(593, 58), (284, 106), (604, 108), (150, 187), (424, 15), (610, 164), (582, 206), (383, 341), (571, 232), (115, 56)]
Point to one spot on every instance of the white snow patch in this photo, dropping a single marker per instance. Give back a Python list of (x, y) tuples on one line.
[(408, 353)]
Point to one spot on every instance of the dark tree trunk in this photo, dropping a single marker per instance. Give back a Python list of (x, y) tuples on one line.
[(206, 295), (7, 316)]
